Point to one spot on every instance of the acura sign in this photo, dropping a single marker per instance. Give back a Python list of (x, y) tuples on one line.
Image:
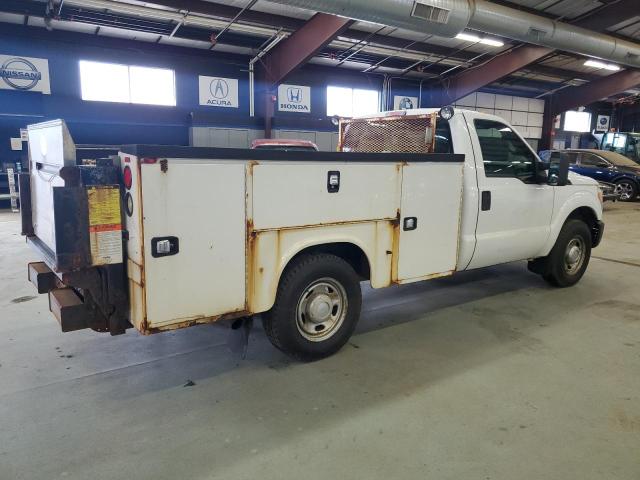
[(218, 92), (24, 73)]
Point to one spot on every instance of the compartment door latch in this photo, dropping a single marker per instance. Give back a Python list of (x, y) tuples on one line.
[(164, 246)]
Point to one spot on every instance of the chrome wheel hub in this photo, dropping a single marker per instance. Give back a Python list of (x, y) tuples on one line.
[(321, 309), (624, 190), (574, 255)]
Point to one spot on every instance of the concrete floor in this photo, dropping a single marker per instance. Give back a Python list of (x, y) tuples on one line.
[(487, 375)]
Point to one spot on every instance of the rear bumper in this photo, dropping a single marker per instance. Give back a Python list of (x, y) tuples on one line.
[(598, 231)]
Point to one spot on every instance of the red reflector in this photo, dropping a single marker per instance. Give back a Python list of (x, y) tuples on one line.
[(149, 160), (127, 160), (127, 177)]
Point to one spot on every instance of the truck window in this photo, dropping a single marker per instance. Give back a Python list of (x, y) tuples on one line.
[(443, 137), (504, 154)]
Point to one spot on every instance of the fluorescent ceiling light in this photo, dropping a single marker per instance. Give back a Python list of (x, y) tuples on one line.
[(491, 42), (467, 37), (606, 66)]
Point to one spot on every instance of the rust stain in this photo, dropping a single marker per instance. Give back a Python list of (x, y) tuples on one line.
[(327, 224), (250, 165), (197, 320), (145, 322)]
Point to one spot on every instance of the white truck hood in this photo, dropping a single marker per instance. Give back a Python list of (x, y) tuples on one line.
[(577, 179)]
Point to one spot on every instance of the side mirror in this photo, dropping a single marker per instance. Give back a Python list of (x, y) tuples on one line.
[(559, 172)]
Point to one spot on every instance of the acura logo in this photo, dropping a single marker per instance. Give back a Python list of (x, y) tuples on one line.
[(20, 73), (219, 88)]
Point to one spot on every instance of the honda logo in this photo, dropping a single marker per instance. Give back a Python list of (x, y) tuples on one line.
[(294, 94)]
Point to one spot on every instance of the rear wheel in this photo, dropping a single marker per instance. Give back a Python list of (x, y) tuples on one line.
[(627, 190), (317, 307), (568, 260)]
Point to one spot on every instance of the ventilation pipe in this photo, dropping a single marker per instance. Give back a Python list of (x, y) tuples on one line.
[(447, 18)]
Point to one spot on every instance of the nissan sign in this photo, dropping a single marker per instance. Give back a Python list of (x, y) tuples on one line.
[(24, 73)]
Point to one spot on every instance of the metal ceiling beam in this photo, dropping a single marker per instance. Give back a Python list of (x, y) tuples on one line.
[(574, 97), (500, 66), (497, 67), (610, 15), (301, 45), (294, 51)]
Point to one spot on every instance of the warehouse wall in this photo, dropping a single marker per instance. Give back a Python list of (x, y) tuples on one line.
[(117, 123)]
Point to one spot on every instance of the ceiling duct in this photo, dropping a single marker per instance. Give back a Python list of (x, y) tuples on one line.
[(447, 18)]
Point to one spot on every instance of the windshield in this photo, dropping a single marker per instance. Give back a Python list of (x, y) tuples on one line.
[(627, 144)]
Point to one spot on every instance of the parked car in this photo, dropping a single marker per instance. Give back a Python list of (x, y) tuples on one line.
[(604, 166), (284, 145)]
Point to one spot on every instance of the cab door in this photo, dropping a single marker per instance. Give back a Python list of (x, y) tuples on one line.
[(515, 210)]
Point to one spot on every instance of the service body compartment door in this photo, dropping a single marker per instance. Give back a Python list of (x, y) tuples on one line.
[(202, 205), (430, 220)]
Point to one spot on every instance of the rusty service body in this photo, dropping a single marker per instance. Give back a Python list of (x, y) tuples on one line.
[(160, 238)]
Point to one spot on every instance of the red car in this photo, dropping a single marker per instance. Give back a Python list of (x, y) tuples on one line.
[(284, 145)]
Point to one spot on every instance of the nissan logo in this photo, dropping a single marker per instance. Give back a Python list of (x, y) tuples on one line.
[(20, 74), (219, 88)]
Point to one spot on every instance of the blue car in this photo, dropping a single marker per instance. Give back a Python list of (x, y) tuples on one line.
[(602, 165)]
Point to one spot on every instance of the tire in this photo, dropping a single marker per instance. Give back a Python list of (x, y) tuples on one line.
[(568, 260), (316, 309), (627, 190)]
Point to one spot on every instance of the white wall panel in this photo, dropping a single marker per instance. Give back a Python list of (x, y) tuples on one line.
[(521, 104), (504, 102), (486, 100)]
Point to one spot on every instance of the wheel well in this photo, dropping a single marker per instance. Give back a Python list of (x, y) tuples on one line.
[(350, 253), (589, 217), (629, 179)]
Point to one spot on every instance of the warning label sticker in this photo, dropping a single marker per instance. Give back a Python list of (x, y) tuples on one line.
[(105, 229)]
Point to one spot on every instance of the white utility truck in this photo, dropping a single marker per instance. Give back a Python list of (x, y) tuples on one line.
[(161, 237)]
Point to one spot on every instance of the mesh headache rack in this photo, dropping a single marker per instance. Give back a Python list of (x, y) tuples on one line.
[(392, 133)]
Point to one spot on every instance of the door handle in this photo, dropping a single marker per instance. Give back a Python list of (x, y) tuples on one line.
[(485, 203)]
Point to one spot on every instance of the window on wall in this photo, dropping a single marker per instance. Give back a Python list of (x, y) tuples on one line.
[(577, 121), (351, 102), (110, 82)]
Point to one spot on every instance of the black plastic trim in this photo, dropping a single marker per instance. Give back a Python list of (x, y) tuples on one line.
[(206, 153)]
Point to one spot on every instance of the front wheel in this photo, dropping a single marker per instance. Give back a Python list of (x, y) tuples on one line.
[(317, 307), (627, 190), (568, 260)]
